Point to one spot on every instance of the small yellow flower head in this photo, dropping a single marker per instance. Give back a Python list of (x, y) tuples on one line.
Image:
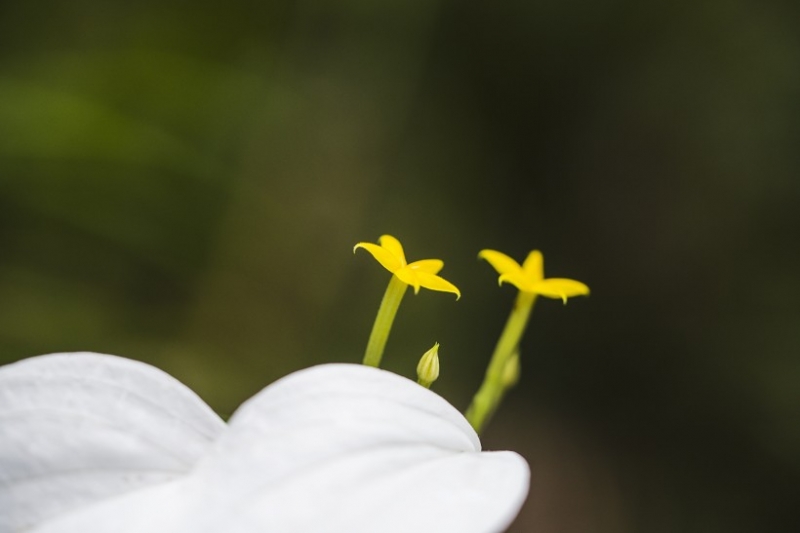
[(417, 274), (428, 367), (530, 276)]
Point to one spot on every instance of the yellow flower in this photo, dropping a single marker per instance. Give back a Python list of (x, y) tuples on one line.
[(530, 276), (418, 274)]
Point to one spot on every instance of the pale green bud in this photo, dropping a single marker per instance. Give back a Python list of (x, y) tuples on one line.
[(511, 370), (428, 367)]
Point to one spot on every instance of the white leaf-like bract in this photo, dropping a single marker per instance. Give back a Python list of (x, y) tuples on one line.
[(80, 428), (335, 448)]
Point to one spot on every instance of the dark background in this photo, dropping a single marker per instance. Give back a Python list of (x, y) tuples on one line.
[(183, 183)]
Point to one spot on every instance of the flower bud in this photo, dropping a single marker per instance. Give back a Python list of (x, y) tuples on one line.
[(511, 370), (428, 367)]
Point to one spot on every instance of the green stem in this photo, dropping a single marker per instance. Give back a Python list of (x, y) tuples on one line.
[(383, 322), (491, 391)]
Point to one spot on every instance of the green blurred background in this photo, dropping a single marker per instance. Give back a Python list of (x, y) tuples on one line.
[(183, 183)]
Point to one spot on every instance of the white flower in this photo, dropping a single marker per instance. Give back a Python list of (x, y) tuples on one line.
[(94, 443)]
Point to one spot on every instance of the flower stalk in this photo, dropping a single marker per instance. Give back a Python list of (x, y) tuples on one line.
[(496, 382), (383, 321)]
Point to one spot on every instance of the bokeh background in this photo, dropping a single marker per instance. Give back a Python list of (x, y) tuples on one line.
[(183, 183)]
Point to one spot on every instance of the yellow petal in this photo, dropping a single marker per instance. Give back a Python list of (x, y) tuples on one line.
[(394, 246), (500, 261), (409, 277), (389, 261), (517, 279), (534, 266), (561, 288), (436, 283), (431, 266)]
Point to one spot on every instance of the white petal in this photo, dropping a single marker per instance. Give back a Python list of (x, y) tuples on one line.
[(393, 489), (331, 449), (78, 428)]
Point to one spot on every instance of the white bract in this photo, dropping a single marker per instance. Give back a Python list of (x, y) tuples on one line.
[(94, 443)]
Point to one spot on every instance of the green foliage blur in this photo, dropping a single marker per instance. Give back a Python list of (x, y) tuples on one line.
[(183, 182)]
